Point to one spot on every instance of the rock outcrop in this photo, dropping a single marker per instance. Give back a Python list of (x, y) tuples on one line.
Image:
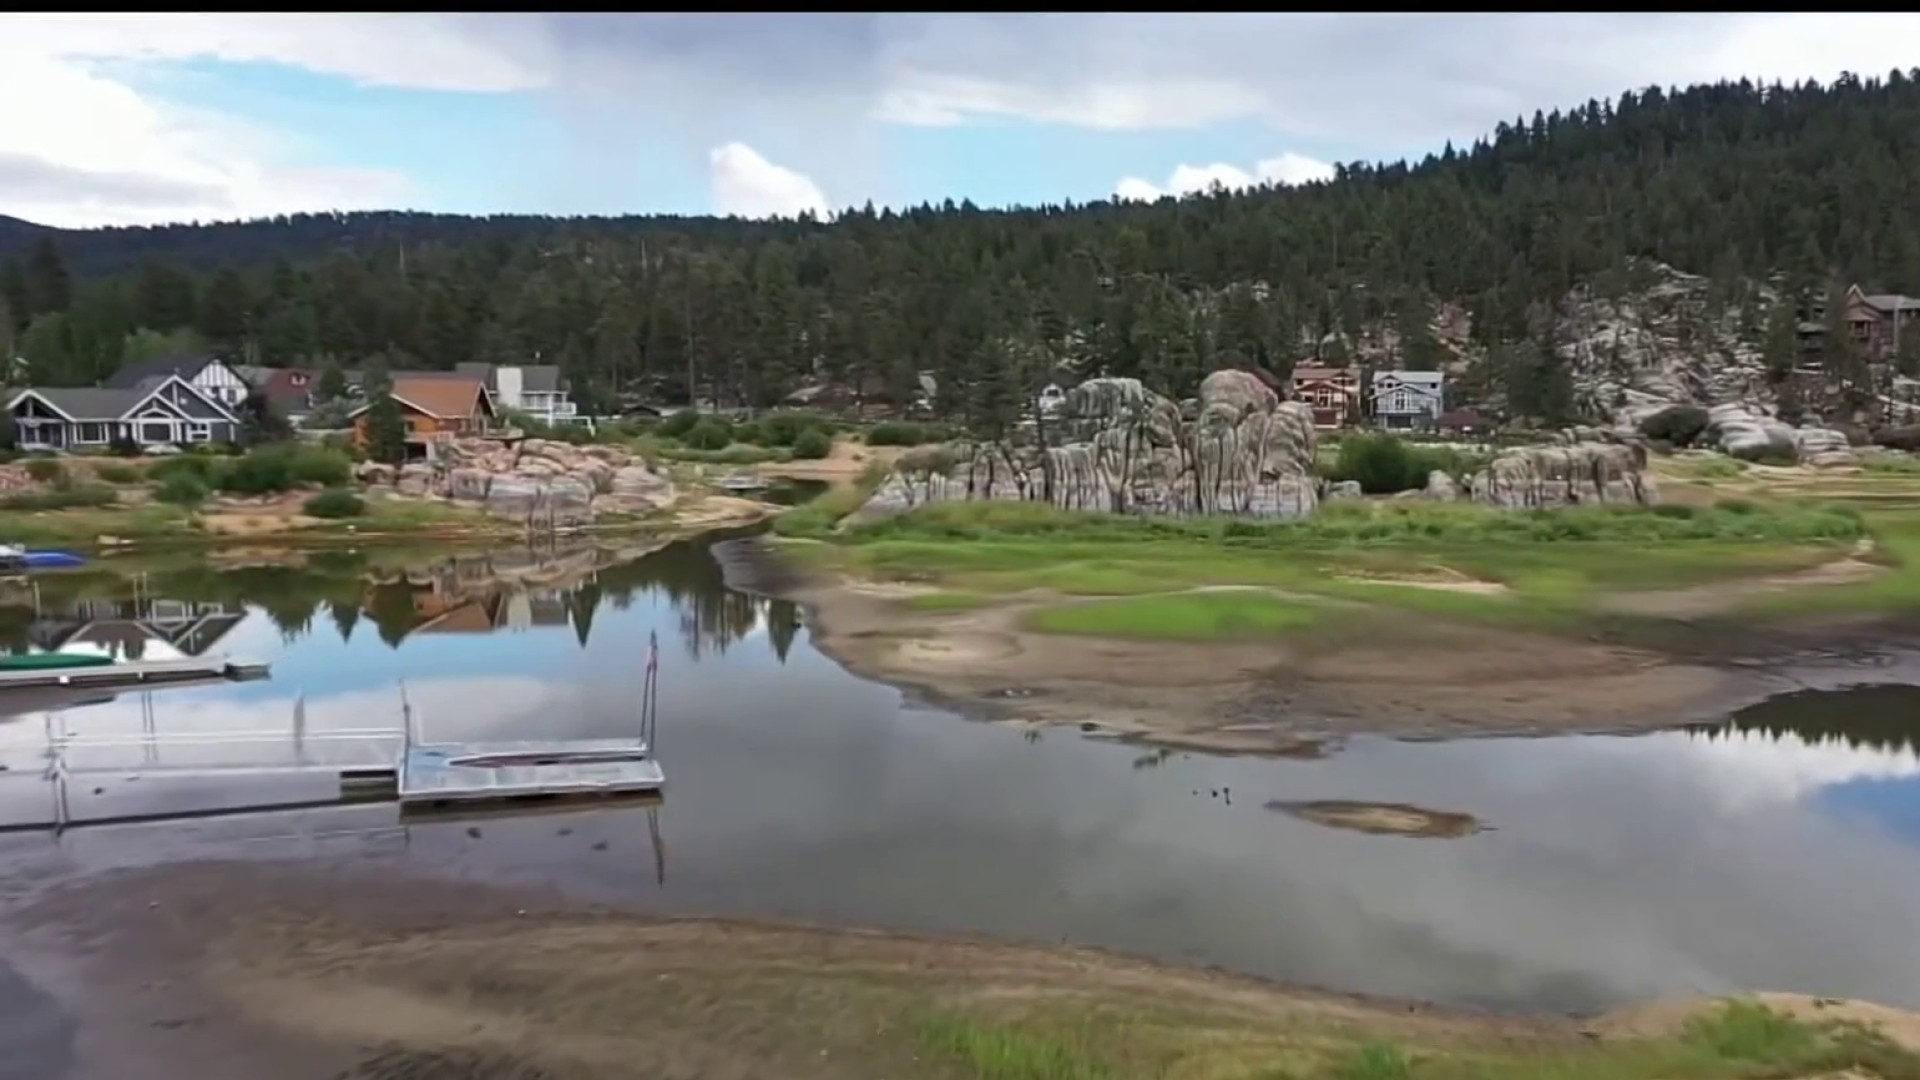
[(1118, 447), (1751, 434), (1576, 474), (534, 480)]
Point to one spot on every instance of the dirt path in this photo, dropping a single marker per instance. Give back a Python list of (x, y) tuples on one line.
[(1723, 597), (842, 466)]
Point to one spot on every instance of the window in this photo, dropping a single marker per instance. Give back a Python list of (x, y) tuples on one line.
[(91, 433), (154, 431), (199, 432)]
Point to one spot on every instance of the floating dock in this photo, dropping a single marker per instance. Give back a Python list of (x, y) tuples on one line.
[(136, 673), (443, 775)]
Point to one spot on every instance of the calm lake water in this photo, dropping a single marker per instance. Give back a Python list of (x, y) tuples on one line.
[(1780, 850)]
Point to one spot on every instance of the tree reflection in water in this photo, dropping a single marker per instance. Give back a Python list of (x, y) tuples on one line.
[(404, 593)]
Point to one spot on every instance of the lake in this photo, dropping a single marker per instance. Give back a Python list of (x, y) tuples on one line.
[(1778, 850)]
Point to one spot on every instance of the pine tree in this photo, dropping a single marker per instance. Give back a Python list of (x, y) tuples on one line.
[(386, 426)]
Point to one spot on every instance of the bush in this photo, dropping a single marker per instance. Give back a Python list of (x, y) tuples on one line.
[(335, 503), (896, 433), (1679, 425), (200, 468), (711, 433), (117, 474), (182, 487), (785, 429), (677, 425), (47, 471), (274, 469), (122, 445), (812, 445), (1380, 464)]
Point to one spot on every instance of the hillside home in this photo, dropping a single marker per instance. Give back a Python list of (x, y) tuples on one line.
[(1404, 400), (216, 379), (1878, 323), (162, 411), (433, 407), (1332, 393)]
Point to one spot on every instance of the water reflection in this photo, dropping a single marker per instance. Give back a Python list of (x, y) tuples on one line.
[(1883, 717), (190, 607), (1779, 852)]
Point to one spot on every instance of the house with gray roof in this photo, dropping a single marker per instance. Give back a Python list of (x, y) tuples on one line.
[(164, 410), (216, 379)]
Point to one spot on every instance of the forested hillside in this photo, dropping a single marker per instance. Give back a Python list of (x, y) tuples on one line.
[(1466, 258)]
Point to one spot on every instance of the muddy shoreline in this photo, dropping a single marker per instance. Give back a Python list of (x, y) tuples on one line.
[(1442, 682), (330, 970)]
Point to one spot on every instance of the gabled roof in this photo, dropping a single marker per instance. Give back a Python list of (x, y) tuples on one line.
[(85, 402), (1888, 303), (440, 396), (1320, 371), (1422, 379), (534, 378), (101, 403), (185, 365)]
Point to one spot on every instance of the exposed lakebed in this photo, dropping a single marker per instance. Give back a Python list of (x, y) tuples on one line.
[(1776, 851)]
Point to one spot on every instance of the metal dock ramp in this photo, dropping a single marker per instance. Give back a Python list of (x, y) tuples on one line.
[(438, 775), (448, 775), (135, 673)]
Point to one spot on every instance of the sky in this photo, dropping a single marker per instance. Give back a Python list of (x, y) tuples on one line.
[(141, 119)]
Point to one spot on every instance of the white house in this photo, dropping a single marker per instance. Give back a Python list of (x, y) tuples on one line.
[(1408, 399), (162, 411), (535, 390), (213, 377)]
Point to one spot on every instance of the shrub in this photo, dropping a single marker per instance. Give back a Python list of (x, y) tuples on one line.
[(711, 433), (182, 487), (1380, 464), (785, 429), (896, 433), (812, 444), (47, 471), (281, 468), (200, 468), (117, 474), (122, 445), (335, 503), (1679, 425), (677, 425)]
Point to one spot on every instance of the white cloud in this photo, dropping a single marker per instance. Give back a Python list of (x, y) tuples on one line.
[(93, 150), (1288, 168), (744, 184)]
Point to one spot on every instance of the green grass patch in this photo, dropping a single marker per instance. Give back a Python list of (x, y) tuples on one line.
[(998, 1051), (1205, 616)]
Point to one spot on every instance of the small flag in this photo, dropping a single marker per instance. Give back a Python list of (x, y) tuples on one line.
[(653, 652)]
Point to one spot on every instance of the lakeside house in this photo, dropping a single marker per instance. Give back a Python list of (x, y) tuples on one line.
[(433, 407), (537, 391), (1332, 393), (164, 410), (213, 377), (1407, 400)]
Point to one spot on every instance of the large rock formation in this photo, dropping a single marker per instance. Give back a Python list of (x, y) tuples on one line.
[(1751, 434), (538, 481), (1118, 447), (1575, 474)]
